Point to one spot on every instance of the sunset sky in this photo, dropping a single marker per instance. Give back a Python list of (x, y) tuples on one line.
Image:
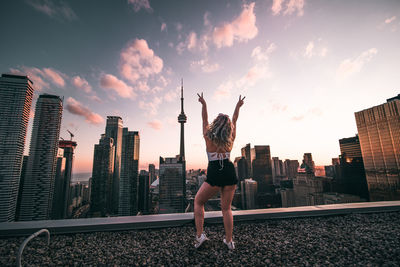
[(304, 66)]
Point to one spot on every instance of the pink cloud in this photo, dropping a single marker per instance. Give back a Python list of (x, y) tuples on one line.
[(291, 7), (155, 124), (253, 75), (276, 6), (390, 20), (205, 66), (298, 118), (223, 90), (108, 81), (172, 95), (82, 84), (242, 29), (152, 106), (61, 10), (139, 61), (42, 77), (192, 41), (77, 108), (350, 66), (54, 76), (139, 4), (262, 55), (163, 26)]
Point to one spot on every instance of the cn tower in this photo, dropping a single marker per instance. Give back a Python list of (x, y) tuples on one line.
[(182, 120)]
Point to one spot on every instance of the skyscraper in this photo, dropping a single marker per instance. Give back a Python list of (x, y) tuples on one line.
[(15, 103), (172, 187), (102, 177), (352, 178), (278, 171), (249, 193), (128, 202), (114, 126), (38, 188), (262, 169), (246, 153), (59, 180), (144, 192), (291, 167), (379, 134), (61, 192), (242, 169), (307, 159), (152, 173)]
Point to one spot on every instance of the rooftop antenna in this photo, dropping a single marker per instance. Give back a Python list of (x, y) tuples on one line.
[(71, 134)]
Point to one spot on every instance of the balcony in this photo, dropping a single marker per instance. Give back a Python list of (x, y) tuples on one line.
[(343, 234)]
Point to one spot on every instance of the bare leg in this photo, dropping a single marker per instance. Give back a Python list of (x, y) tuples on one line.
[(227, 194), (205, 192)]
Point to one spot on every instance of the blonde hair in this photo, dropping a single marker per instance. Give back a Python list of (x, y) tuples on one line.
[(220, 132)]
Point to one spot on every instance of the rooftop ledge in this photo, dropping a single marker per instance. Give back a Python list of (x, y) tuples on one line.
[(8, 229)]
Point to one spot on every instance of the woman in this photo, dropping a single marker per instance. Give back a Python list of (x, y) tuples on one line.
[(221, 176)]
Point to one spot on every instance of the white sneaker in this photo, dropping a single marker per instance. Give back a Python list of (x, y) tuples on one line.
[(231, 245), (200, 240)]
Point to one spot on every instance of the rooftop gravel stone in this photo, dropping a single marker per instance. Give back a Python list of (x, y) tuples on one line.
[(355, 239)]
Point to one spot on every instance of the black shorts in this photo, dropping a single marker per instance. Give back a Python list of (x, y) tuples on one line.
[(221, 177)]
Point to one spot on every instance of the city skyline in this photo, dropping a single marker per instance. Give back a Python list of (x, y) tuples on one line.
[(304, 70)]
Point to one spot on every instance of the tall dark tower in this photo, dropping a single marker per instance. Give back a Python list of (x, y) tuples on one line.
[(182, 120)]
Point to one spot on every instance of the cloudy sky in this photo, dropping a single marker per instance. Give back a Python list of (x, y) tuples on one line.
[(304, 66)]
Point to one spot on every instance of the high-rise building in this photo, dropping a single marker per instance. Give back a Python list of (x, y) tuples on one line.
[(63, 179), (128, 203), (114, 126), (21, 181), (291, 167), (38, 188), (249, 193), (144, 193), (102, 177), (379, 134), (307, 188), (249, 156), (15, 103), (152, 173), (307, 159), (278, 170), (262, 169), (242, 169), (59, 180), (352, 178), (172, 186)]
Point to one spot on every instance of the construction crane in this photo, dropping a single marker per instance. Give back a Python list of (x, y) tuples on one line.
[(71, 134)]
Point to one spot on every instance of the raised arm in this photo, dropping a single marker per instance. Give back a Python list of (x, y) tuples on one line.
[(236, 115), (204, 114), (236, 112)]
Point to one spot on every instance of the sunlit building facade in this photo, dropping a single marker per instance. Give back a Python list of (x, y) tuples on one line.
[(114, 127), (128, 202), (102, 177), (379, 134), (38, 187), (15, 103)]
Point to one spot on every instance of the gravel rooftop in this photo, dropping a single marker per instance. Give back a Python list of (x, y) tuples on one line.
[(356, 239)]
